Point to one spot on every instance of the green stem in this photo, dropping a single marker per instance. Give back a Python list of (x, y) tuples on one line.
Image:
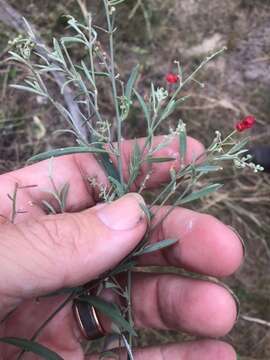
[(114, 89), (130, 318)]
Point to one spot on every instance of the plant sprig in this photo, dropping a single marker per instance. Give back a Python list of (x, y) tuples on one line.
[(156, 107)]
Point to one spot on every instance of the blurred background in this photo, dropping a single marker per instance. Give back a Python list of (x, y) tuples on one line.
[(155, 33)]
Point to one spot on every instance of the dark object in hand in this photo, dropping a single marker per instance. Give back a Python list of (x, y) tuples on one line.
[(261, 155)]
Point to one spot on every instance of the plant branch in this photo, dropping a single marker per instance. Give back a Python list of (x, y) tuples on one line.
[(13, 19)]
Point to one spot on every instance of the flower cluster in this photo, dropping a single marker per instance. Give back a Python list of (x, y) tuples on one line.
[(246, 123)]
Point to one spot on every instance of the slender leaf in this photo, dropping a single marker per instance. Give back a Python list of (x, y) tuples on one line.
[(128, 91), (33, 347), (172, 105), (69, 39), (123, 268), (116, 2), (108, 354), (239, 146), (119, 188), (110, 310), (63, 195), (156, 247), (28, 89), (135, 163), (201, 193), (159, 160), (58, 51), (182, 142), (131, 81), (147, 212), (97, 73), (207, 168), (49, 207), (143, 106), (109, 166), (66, 151)]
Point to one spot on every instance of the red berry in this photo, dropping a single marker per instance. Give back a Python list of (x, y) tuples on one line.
[(172, 78), (249, 121), (246, 123)]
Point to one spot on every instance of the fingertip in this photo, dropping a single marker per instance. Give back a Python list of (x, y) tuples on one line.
[(209, 349), (124, 213), (222, 252), (223, 311), (229, 245)]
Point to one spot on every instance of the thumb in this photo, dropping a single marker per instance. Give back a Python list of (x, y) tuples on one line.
[(58, 251)]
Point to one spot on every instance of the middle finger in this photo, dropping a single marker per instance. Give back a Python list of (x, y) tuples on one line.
[(205, 245)]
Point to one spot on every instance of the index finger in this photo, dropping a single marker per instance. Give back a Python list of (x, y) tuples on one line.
[(77, 170)]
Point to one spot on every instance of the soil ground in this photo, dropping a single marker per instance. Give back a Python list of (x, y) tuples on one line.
[(236, 84)]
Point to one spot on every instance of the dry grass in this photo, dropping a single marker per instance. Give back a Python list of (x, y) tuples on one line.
[(235, 87)]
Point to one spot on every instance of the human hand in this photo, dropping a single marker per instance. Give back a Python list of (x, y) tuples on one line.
[(42, 253)]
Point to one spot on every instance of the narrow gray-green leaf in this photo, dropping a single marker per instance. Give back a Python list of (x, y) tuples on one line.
[(182, 141), (201, 193), (109, 166), (57, 48), (207, 168), (147, 212), (33, 347), (119, 188), (110, 310), (131, 81), (108, 354), (69, 39), (172, 105), (63, 196), (143, 106), (156, 247), (49, 207), (160, 160), (97, 73), (123, 268), (28, 89), (66, 151), (238, 146)]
